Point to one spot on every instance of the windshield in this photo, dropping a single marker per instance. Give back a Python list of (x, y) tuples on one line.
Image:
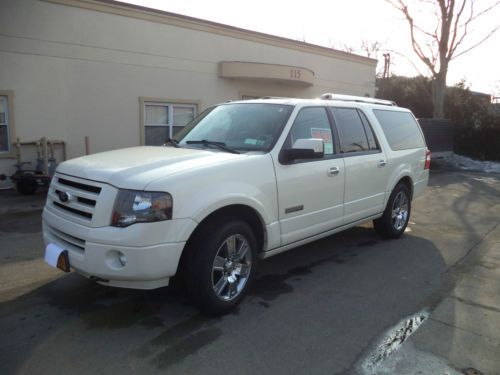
[(239, 126)]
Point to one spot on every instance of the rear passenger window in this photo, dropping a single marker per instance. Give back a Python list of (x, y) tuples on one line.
[(400, 128), (312, 122), (351, 130)]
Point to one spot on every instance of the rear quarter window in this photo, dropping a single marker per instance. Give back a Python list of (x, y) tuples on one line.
[(401, 129)]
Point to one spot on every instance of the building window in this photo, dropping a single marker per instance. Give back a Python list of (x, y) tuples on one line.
[(249, 97), (5, 123), (164, 120)]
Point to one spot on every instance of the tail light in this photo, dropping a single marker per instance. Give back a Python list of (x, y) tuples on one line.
[(427, 159)]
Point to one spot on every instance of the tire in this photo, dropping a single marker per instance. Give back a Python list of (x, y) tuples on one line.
[(26, 186), (220, 266), (393, 222)]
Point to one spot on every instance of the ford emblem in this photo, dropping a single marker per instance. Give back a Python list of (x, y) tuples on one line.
[(64, 197)]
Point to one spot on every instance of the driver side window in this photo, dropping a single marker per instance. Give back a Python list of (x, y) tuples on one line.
[(312, 122)]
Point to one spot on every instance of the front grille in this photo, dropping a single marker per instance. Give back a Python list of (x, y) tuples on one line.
[(78, 185), (75, 211), (90, 202), (66, 241), (80, 197)]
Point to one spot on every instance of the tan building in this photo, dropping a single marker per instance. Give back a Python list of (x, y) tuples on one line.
[(123, 75)]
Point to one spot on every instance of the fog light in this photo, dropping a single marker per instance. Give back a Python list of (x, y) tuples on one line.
[(122, 258), (115, 259)]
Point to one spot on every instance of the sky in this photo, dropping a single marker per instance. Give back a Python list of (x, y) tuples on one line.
[(340, 23)]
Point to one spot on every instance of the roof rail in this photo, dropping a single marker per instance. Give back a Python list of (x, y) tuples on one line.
[(359, 99), (274, 97)]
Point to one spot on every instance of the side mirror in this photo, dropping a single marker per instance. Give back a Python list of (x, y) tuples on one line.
[(309, 148)]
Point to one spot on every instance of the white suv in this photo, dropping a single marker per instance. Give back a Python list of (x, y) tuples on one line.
[(244, 180)]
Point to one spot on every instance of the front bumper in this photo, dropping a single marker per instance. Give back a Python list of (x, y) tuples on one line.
[(95, 252)]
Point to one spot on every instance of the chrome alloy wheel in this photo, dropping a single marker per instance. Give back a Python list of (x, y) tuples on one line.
[(400, 211), (231, 267)]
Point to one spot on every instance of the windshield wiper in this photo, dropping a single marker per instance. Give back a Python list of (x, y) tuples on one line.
[(172, 142), (219, 145)]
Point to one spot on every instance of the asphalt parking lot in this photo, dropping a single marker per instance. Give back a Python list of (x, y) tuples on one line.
[(318, 309)]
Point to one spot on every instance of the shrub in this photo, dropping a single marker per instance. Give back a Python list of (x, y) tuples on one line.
[(477, 126)]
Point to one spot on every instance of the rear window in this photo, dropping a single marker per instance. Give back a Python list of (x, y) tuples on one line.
[(401, 129)]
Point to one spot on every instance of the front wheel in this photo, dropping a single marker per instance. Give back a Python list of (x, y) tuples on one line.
[(221, 266), (393, 222)]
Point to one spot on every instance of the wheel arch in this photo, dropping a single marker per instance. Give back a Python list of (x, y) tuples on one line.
[(239, 211), (243, 212), (406, 180)]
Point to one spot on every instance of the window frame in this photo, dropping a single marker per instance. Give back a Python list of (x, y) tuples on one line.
[(368, 126), (9, 124), (355, 153), (170, 103), (336, 144)]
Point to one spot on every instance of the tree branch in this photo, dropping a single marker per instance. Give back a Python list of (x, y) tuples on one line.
[(478, 43), (402, 7), (452, 27), (485, 10), (455, 31)]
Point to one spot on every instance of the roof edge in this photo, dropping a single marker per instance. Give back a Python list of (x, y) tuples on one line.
[(180, 20)]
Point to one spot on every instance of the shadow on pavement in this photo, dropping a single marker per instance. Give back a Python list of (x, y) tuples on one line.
[(314, 309)]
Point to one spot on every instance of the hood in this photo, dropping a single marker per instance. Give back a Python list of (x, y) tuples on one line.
[(136, 167)]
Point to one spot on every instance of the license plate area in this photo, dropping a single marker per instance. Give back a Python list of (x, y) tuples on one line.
[(63, 261), (57, 257)]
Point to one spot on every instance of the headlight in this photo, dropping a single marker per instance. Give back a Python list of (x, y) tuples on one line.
[(133, 206)]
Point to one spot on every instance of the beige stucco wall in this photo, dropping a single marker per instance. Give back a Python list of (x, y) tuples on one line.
[(77, 72)]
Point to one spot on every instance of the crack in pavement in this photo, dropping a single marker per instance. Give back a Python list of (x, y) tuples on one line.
[(475, 304)]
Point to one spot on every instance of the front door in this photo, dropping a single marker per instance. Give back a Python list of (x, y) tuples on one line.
[(310, 192)]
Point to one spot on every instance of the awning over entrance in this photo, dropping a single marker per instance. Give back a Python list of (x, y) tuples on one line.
[(292, 75)]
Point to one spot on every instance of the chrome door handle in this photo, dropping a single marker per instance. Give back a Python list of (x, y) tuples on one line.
[(333, 171), (382, 163)]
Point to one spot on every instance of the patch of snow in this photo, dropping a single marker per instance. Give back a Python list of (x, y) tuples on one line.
[(467, 164), (410, 361), (391, 341), (393, 353)]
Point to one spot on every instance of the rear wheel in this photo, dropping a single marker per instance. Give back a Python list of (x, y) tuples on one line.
[(393, 222), (220, 266)]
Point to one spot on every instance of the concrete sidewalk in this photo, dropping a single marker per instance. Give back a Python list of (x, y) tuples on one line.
[(462, 333), (465, 327)]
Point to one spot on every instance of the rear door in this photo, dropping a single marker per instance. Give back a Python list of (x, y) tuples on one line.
[(310, 191), (365, 165)]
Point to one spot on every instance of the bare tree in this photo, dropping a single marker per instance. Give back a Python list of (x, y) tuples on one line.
[(437, 46), (371, 48), (368, 48), (341, 46)]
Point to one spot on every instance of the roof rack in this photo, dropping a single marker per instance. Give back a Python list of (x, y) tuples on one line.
[(359, 99), (274, 97)]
